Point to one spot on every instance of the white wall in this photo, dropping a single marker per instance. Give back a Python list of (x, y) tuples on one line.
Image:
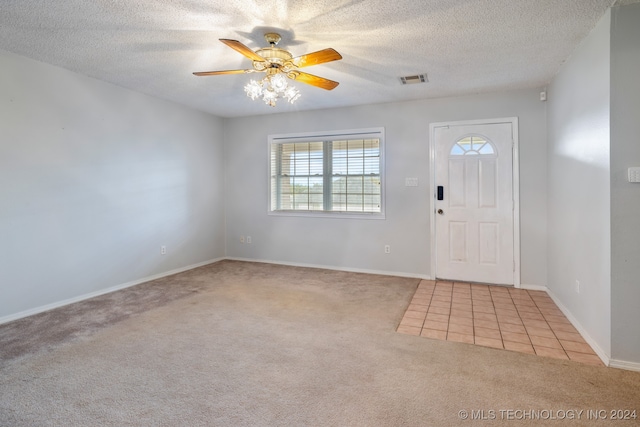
[(93, 180), (625, 197), (358, 243), (578, 192)]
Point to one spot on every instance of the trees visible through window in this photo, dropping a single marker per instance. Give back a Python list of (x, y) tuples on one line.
[(337, 173)]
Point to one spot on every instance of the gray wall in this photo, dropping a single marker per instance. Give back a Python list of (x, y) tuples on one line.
[(625, 197), (578, 193), (93, 180), (358, 244)]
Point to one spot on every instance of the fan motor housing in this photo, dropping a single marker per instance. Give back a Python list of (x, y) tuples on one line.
[(274, 55), (276, 58)]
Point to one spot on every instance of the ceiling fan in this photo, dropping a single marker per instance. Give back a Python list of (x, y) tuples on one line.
[(277, 64)]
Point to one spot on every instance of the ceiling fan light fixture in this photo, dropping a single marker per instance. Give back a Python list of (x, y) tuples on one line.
[(271, 88), (269, 97), (253, 89), (279, 83), (280, 66), (291, 94)]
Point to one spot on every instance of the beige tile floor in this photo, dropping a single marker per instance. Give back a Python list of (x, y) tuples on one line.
[(495, 316)]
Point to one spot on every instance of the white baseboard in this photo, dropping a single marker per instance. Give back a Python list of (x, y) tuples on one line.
[(332, 267), (622, 364), (534, 288), (594, 345), (51, 306)]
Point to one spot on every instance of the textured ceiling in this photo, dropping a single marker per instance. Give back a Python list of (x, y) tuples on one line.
[(153, 46)]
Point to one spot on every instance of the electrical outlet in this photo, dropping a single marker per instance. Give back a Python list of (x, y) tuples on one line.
[(248, 239), (163, 250), (577, 286), (387, 249), (241, 239)]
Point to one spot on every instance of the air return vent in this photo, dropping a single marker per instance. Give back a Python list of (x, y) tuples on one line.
[(415, 79)]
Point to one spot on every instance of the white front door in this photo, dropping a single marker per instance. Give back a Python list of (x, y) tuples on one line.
[(474, 202)]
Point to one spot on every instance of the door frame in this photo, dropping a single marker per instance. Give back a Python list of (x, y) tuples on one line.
[(515, 187)]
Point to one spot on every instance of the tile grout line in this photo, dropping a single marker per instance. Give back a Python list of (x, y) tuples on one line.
[(526, 331), (473, 315), (428, 307), (550, 328), (450, 308), (554, 331), (493, 304)]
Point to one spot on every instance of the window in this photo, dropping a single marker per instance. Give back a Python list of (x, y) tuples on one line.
[(328, 173), (472, 146)]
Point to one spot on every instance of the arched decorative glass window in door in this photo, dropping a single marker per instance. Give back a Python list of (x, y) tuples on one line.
[(472, 146)]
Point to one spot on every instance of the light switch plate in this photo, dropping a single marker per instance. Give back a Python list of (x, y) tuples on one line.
[(411, 182), (634, 174)]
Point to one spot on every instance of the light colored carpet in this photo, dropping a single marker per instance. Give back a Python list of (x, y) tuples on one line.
[(250, 344)]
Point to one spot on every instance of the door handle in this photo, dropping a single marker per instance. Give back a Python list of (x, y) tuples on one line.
[(440, 211)]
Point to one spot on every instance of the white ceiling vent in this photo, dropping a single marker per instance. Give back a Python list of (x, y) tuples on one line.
[(411, 80)]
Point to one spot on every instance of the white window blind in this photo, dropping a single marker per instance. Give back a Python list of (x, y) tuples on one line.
[(337, 172)]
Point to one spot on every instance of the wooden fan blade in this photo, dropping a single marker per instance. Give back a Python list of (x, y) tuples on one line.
[(216, 73), (315, 58), (312, 80), (239, 47)]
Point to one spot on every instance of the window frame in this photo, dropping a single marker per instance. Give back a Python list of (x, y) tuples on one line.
[(335, 135)]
